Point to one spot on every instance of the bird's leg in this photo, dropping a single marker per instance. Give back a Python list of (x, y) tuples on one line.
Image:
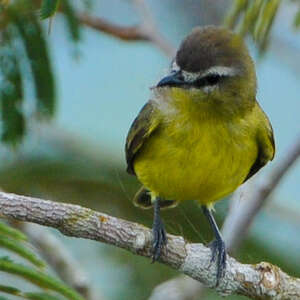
[(159, 233), (217, 245)]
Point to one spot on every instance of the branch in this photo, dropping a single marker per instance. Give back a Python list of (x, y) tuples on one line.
[(126, 33), (179, 288), (146, 31), (149, 28), (260, 281), (252, 196)]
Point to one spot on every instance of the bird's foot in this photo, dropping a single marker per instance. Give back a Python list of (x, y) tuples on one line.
[(218, 255), (159, 239)]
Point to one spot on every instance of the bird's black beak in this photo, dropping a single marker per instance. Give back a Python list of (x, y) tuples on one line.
[(175, 79)]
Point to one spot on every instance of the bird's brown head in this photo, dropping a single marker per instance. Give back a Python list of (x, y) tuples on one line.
[(208, 47), (215, 62)]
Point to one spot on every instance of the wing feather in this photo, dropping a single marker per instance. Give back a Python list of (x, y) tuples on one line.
[(266, 145), (143, 125)]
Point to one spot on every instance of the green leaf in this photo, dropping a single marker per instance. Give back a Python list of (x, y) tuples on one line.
[(297, 19), (256, 18), (13, 121), (264, 23), (11, 93), (11, 232), (38, 278), (34, 41), (40, 296), (30, 296), (234, 13), (9, 290), (3, 298), (250, 18), (19, 249), (48, 8), (6, 258), (71, 19)]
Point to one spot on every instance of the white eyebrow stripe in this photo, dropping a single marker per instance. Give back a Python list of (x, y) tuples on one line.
[(218, 70), (221, 71), (189, 76)]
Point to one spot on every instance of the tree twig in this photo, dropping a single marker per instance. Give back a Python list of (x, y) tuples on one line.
[(260, 281), (126, 33), (181, 287), (149, 28), (251, 197), (145, 31)]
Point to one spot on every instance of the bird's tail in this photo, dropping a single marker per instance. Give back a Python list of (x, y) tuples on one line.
[(143, 197)]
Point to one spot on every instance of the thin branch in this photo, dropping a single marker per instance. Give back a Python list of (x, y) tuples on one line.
[(149, 28), (289, 214), (126, 33), (181, 287), (260, 281), (248, 201), (146, 31)]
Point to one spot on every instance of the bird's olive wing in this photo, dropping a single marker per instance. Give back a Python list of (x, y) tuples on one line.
[(266, 146), (143, 125)]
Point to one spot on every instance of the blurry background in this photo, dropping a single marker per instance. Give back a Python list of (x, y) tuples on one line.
[(78, 157)]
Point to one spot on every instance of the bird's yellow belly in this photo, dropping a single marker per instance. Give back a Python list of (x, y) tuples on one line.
[(204, 162)]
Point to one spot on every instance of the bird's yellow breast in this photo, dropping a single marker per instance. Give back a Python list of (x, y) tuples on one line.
[(194, 154)]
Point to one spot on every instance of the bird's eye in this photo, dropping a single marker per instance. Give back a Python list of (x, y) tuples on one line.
[(208, 80), (212, 79)]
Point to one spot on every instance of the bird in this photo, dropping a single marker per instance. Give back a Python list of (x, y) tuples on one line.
[(202, 134)]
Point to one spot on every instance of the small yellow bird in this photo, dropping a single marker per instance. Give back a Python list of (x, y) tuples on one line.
[(202, 134)]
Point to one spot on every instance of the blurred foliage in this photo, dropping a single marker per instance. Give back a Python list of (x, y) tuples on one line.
[(48, 8), (11, 93), (25, 63), (255, 18), (16, 244), (72, 23)]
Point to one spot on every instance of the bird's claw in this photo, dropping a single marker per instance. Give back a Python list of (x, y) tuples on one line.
[(218, 255), (159, 240)]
